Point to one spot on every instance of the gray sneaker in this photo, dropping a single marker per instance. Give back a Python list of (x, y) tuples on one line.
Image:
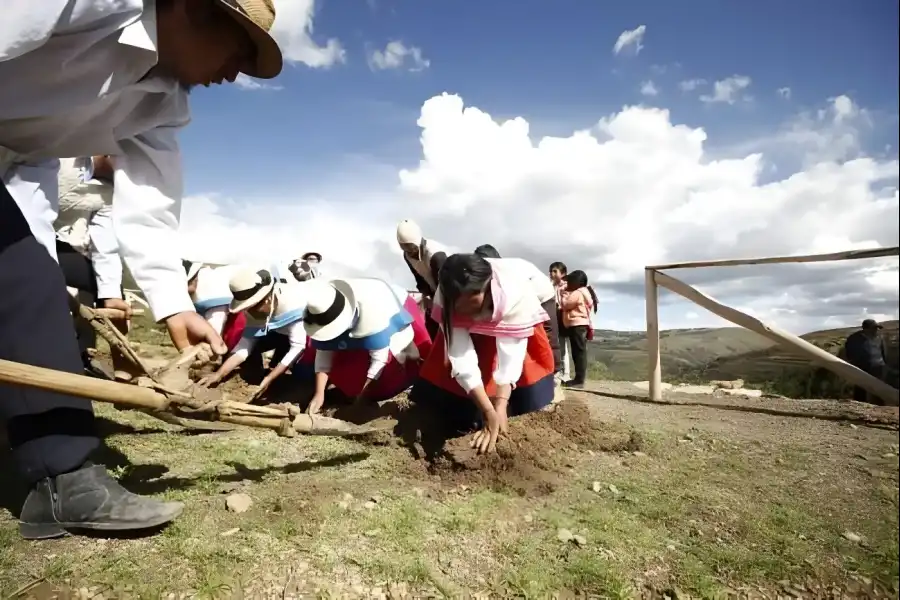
[(92, 500)]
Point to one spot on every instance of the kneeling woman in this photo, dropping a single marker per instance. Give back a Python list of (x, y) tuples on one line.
[(274, 311), (369, 338), (492, 356), (208, 287)]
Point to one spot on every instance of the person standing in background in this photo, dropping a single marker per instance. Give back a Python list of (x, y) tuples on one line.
[(578, 301), (558, 272), (424, 259), (864, 350), (88, 251)]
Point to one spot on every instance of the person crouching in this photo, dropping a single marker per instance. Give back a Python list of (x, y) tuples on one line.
[(209, 291), (492, 355), (274, 310), (369, 337)]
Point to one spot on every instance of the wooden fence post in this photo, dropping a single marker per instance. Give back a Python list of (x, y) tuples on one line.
[(654, 372)]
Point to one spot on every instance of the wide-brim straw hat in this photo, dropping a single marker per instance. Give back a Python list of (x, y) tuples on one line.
[(257, 18), (329, 309), (248, 289)]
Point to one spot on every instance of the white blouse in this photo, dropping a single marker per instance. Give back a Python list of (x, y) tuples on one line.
[(511, 354)]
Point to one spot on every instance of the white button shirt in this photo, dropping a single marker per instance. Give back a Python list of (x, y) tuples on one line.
[(75, 83)]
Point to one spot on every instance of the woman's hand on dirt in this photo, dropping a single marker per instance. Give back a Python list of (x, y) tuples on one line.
[(315, 405), (485, 440)]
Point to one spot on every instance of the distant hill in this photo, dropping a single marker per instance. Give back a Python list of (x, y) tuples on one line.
[(779, 370), (623, 355)]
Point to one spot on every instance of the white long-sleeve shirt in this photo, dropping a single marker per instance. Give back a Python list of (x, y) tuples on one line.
[(85, 223), (75, 83), (401, 346), (540, 281), (464, 369), (296, 336)]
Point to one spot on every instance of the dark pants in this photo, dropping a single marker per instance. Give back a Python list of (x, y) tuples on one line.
[(861, 395), (578, 342), (551, 327), (273, 340), (78, 272), (49, 433)]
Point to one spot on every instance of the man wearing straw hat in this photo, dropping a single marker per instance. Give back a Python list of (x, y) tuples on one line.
[(86, 78)]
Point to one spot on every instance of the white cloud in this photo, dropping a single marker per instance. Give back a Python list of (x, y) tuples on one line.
[(293, 30), (648, 88), (690, 85), (729, 90), (630, 40), (784, 92), (248, 83), (634, 190), (397, 55)]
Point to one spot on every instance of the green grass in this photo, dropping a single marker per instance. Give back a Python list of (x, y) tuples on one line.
[(702, 516)]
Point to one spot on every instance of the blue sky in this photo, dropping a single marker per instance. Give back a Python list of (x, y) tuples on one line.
[(548, 62), (317, 163)]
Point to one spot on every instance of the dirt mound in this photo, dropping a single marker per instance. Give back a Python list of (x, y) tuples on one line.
[(530, 460)]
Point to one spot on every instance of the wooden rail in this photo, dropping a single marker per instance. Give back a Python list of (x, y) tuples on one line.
[(654, 278)]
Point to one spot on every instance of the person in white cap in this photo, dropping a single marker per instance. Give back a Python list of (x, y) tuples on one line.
[(209, 290), (369, 337), (424, 259), (278, 307), (87, 250), (88, 78)]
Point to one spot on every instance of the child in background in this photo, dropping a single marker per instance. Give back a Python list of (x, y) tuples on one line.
[(558, 272), (577, 302)]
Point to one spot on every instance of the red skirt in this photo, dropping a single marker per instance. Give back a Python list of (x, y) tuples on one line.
[(533, 391), (233, 329), (350, 367)]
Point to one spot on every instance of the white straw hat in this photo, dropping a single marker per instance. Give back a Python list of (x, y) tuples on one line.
[(248, 288), (409, 232), (329, 309)]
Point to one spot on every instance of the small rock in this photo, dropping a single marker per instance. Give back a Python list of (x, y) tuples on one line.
[(230, 532), (596, 486), (888, 455), (852, 426), (690, 437), (372, 532), (579, 539), (238, 503), (348, 497), (639, 454), (528, 518), (614, 489), (564, 535), (671, 547), (852, 537), (376, 499), (419, 492), (370, 505), (343, 505)]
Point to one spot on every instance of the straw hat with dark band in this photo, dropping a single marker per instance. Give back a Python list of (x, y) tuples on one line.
[(257, 18), (329, 309), (249, 289)]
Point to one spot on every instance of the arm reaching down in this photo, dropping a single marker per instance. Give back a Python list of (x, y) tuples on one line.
[(146, 205)]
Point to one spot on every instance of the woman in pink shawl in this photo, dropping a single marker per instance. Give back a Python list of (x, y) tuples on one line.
[(492, 358)]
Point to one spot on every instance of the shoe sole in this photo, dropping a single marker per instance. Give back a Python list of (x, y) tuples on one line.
[(49, 531)]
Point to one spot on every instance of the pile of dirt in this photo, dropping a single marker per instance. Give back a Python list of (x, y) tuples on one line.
[(539, 449)]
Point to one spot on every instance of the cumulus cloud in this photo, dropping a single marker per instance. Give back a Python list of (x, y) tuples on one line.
[(397, 55), (728, 91), (630, 40), (648, 88), (293, 30), (248, 83), (634, 189), (784, 92)]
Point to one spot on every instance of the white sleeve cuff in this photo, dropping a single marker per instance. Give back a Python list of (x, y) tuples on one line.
[(107, 290), (168, 296)]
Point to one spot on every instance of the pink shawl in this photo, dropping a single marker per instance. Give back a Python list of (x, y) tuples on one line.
[(516, 308)]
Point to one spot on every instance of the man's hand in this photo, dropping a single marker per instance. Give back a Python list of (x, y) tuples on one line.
[(263, 386), (210, 381), (118, 304), (189, 329)]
